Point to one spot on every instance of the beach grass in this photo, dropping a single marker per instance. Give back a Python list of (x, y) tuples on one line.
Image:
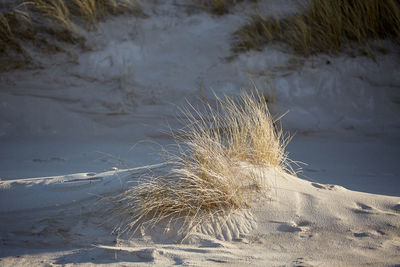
[(325, 27), (44, 24), (210, 173), (92, 11), (56, 11)]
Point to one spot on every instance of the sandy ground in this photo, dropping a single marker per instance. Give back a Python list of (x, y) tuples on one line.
[(296, 223)]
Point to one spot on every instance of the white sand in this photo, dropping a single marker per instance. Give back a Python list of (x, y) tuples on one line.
[(296, 223)]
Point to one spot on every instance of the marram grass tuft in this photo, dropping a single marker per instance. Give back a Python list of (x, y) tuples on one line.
[(325, 27), (56, 11), (210, 174), (45, 23)]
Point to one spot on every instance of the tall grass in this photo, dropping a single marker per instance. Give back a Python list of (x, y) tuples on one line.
[(47, 22), (325, 27), (209, 175), (94, 10), (10, 45), (56, 11), (88, 10), (13, 22), (5, 32), (5, 29)]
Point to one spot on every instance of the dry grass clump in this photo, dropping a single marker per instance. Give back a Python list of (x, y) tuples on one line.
[(12, 54), (87, 9), (92, 11), (63, 12), (13, 22), (210, 173), (246, 130), (56, 11), (46, 23), (5, 29), (325, 27), (6, 35)]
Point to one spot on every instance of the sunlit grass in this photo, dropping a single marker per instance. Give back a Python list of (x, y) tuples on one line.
[(325, 27), (210, 173), (56, 11), (88, 10), (92, 11)]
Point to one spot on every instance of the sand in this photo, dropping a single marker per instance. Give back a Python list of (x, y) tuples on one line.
[(91, 125), (294, 223)]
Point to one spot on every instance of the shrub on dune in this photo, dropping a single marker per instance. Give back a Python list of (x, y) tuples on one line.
[(209, 174)]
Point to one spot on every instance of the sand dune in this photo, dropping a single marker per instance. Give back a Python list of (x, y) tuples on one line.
[(86, 111), (295, 223)]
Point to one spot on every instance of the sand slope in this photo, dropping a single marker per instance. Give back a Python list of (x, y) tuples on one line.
[(296, 223)]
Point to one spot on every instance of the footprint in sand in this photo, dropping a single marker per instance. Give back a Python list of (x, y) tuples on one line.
[(319, 186), (304, 223), (363, 209), (360, 235), (288, 228), (51, 159), (293, 227), (324, 187), (300, 262), (380, 232), (396, 208)]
